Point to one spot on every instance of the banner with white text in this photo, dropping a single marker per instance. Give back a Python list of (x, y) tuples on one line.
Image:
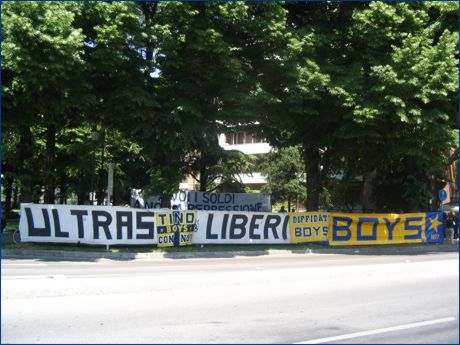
[(249, 202), (207, 201)]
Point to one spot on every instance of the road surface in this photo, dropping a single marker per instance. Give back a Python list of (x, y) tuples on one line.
[(283, 298)]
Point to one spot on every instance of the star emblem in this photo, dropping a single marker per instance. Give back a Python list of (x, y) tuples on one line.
[(434, 223)]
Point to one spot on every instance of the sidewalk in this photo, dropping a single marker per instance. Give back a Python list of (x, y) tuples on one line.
[(414, 249)]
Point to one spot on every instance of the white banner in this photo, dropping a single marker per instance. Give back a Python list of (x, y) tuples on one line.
[(206, 201), (248, 202), (120, 225), (137, 200), (241, 228), (86, 224)]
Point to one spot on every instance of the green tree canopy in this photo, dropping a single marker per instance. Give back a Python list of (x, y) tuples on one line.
[(285, 175), (366, 91)]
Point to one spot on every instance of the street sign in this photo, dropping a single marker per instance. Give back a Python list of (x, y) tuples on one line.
[(442, 195)]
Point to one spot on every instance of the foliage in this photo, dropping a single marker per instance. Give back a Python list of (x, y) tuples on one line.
[(340, 89), (376, 95), (409, 104), (285, 175), (42, 65), (225, 172)]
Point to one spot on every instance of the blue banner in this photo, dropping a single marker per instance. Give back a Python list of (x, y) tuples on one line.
[(434, 227)]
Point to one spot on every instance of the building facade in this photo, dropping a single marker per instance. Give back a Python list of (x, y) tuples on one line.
[(248, 144)]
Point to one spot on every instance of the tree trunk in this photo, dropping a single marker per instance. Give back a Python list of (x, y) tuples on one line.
[(166, 201), (203, 179), (82, 198), (428, 204), (101, 175), (100, 195), (50, 182), (8, 193), (63, 190), (149, 9), (15, 196), (367, 196), (410, 204), (25, 174), (312, 163)]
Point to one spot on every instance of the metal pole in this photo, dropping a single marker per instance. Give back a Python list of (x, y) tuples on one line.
[(93, 173), (110, 183), (94, 138)]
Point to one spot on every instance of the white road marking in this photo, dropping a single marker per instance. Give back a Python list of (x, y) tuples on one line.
[(57, 263), (17, 264), (49, 276), (377, 331)]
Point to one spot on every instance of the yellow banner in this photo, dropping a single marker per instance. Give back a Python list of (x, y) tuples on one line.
[(175, 228), (308, 226), (365, 229)]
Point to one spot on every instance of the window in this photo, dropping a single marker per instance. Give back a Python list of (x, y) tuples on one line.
[(257, 140), (241, 138), (248, 138), (230, 138)]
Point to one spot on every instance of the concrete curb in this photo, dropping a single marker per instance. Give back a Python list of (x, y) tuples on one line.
[(364, 250)]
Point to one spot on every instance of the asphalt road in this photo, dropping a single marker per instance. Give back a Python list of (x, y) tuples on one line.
[(295, 298)]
